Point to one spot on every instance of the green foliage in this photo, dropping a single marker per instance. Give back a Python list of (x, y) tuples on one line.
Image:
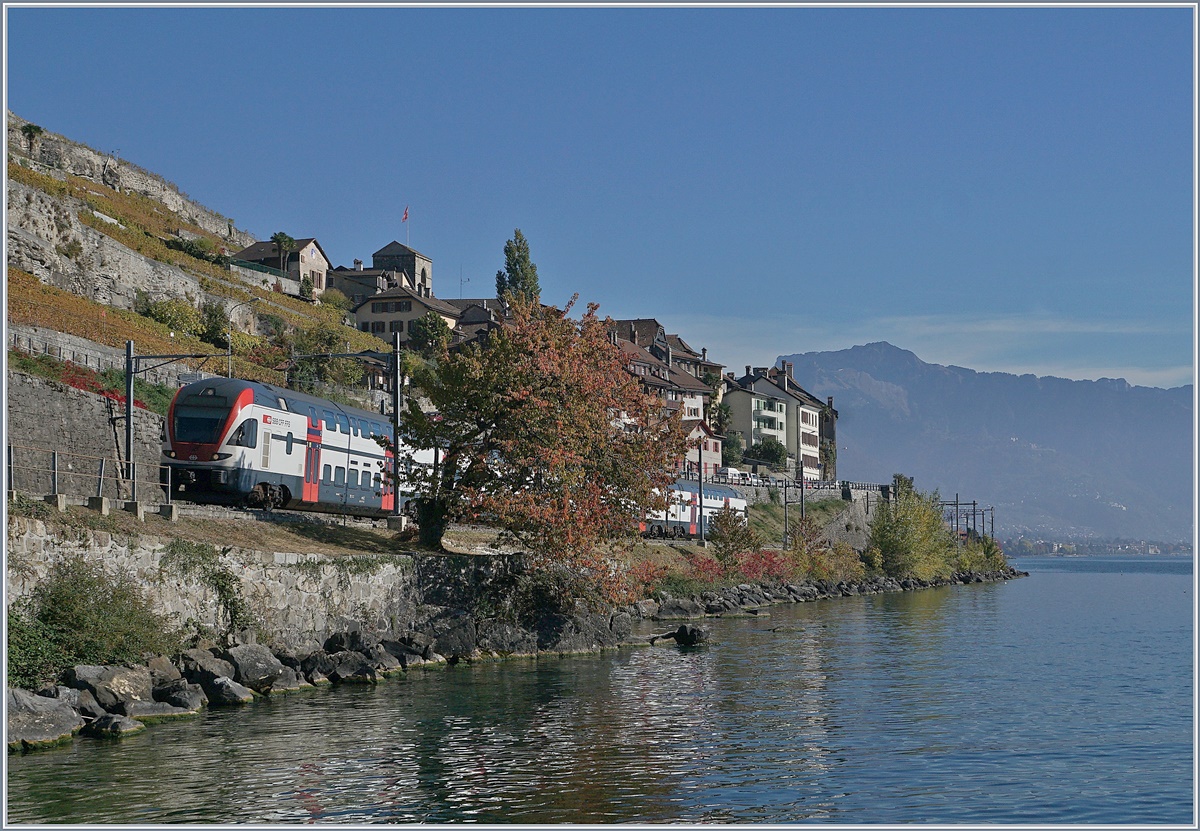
[(519, 277), (430, 335), (70, 249), (156, 397), (203, 561), (81, 614), (178, 315), (31, 132), (771, 451), (730, 536), (285, 244), (911, 535), (34, 657), (214, 324), (335, 299), (306, 287), (732, 450)]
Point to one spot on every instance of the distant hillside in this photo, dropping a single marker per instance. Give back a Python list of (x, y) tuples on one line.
[(1056, 457)]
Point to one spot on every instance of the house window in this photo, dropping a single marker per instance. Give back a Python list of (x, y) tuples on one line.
[(377, 326), (396, 326), (410, 325), (366, 327), (404, 306)]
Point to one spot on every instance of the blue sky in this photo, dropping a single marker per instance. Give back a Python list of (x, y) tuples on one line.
[(1006, 189)]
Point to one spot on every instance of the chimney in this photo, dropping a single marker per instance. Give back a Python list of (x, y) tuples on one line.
[(747, 369), (787, 368), (632, 332), (358, 265), (830, 400), (704, 353)]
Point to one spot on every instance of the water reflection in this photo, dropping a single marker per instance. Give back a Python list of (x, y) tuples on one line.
[(973, 704)]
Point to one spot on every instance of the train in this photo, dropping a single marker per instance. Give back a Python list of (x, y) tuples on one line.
[(243, 442), (681, 519)]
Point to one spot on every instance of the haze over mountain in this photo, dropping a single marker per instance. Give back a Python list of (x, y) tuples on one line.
[(1056, 457)]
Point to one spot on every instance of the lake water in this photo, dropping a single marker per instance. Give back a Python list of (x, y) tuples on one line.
[(1064, 697)]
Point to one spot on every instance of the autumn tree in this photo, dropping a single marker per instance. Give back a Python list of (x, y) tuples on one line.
[(519, 277), (541, 431), (911, 535)]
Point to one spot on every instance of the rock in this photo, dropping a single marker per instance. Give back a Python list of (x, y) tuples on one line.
[(685, 635), (404, 652), (201, 666), (254, 666), (180, 693), (289, 681), (319, 662), (224, 691), (453, 636), (39, 721), (81, 700), (646, 608), (574, 633), (162, 670), (112, 726), (679, 608), (357, 641), (151, 711), (498, 637), (352, 668), (621, 625), (112, 685), (316, 678), (381, 659)]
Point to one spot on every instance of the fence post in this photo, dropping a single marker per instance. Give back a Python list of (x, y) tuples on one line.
[(168, 484), (54, 471), (100, 480), (12, 485)]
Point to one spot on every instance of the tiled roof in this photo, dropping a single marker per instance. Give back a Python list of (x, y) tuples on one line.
[(394, 248), (402, 293)]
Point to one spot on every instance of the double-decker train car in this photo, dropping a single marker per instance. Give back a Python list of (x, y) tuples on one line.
[(244, 442), (682, 516)]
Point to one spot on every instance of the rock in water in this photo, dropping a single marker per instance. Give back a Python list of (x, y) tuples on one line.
[(39, 721), (114, 727)]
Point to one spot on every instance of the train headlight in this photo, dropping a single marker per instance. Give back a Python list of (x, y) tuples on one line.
[(170, 454), (216, 457)]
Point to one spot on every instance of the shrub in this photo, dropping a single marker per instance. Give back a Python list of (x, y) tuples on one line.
[(765, 564), (731, 536), (81, 614)]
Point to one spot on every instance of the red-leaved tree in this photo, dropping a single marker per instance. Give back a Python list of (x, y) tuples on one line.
[(542, 432)]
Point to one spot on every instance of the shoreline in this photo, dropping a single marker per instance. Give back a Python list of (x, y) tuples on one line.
[(118, 701)]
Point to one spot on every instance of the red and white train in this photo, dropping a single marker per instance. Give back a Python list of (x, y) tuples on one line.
[(245, 442), (682, 515)]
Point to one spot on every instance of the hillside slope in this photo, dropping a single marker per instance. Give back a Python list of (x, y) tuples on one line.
[(1055, 456)]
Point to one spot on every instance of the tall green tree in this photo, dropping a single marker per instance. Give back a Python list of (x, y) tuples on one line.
[(285, 244), (519, 277), (541, 431), (431, 335), (911, 534), (771, 451)]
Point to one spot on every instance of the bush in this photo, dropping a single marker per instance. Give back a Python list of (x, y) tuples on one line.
[(80, 614), (911, 535), (730, 537)]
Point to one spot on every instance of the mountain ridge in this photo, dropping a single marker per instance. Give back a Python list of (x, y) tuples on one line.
[(1056, 456)]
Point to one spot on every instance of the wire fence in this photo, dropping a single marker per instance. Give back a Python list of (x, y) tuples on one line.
[(40, 470)]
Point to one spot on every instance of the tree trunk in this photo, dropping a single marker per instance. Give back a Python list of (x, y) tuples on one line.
[(431, 519)]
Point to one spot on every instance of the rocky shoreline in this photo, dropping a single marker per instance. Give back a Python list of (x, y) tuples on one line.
[(118, 701)]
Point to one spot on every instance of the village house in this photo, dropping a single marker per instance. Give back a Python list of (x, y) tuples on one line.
[(396, 310), (306, 260), (704, 450), (359, 283), (768, 403)]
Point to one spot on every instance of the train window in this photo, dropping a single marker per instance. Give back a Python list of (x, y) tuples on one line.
[(246, 435), (326, 473), (344, 424), (355, 427), (290, 440), (378, 481), (312, 417), (376, 429), (282, 404), (330, 420), (352, 479), (339, 476)]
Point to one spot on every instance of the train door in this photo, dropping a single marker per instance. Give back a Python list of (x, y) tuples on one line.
[(312, 459)]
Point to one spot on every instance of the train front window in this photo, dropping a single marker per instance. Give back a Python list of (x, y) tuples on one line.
[(200, 425)]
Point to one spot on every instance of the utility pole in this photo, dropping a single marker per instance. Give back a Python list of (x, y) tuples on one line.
[(397, 397), (700, 474), (129, 371)]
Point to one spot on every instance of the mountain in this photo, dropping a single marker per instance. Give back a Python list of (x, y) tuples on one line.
[(1055, 457)]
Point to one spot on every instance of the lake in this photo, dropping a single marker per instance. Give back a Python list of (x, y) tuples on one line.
[(1063, 697)]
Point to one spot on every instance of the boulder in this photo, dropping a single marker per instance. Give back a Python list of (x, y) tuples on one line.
[(320, 662), (112, 685), (254, 666), (162, 670), (646, 608), (180, 693), (316, 678), (39, 721), (454, 636), (404, 651), (224, 691), (81, 700), (574, 633), (381, 658), (621, 625), (113, 726), (679, 608), (499, 637), (685, 635), (352, 668), (200, 666), (289, 681), (356, 641), (151, 711)]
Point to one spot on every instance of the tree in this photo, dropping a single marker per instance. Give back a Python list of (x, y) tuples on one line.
[(306, 287), (541, 431), (285, 244), (771, 451), (911, 534), (519, 277), (731, 450), (431, 335), (31, 133), (731, 536)]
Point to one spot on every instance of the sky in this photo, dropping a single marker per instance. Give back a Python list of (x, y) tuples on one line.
[(998, 188)]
